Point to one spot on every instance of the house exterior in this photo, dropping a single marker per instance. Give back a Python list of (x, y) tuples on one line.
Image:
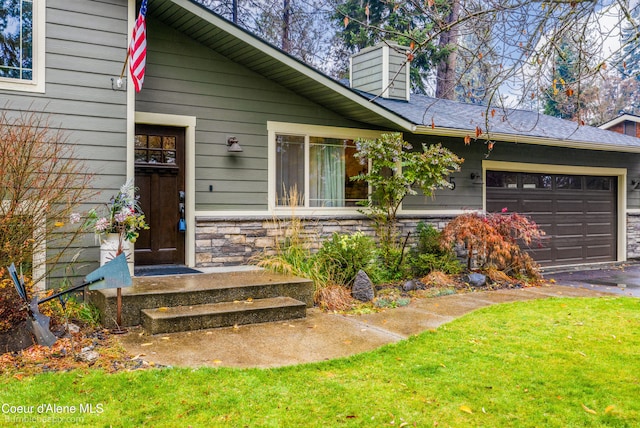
[(628, 124), (211, 86)]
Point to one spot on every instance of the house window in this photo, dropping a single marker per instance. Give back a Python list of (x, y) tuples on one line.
[(22, 45), (317, 170), (630, 128), (311, 166)]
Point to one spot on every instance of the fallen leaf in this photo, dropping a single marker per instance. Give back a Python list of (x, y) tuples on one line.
[(163, 309), (466, 409), (345, 21), (588, 410), (217, 361), (609, 408), (147, 344), (235, 326)]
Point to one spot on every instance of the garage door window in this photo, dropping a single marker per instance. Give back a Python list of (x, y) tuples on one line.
[(568, 182), (599, 183), (506, 180), (536, 181)]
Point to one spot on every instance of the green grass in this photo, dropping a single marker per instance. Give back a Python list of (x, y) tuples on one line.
[(544, 363)]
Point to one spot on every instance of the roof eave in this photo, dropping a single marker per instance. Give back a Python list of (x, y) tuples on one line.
[(618, 120), (522, 139)]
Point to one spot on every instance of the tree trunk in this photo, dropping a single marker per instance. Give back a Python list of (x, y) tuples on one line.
[(446, 72), (286, 22)]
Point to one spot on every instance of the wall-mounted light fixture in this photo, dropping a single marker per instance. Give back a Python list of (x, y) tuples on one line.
[(233, 145), (476, 178)]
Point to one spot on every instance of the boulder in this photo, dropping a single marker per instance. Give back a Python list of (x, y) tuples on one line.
[(410, 285), (362, 287), (476, 279), (88, 356)]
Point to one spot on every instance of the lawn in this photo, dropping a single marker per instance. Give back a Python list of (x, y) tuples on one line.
[(543, 363)]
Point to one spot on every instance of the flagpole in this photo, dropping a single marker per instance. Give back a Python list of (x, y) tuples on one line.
[(124, 66)]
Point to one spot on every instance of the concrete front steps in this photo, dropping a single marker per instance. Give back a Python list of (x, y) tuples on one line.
[(165, 304)]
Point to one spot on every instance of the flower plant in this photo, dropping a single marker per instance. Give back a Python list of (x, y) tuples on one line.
[(123, 215)]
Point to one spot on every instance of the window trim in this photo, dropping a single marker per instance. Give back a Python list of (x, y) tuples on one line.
[(37, 84), (274, 128)]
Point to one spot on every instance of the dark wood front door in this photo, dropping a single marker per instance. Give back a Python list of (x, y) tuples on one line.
[(159, 157)]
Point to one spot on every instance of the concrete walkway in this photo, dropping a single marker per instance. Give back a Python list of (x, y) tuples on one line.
[(323, 336)]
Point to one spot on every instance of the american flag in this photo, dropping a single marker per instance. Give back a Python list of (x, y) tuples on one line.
[(138, 48)]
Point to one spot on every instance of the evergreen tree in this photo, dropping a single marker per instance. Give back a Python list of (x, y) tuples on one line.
[(560, 98), (629, 56), (367, 23)]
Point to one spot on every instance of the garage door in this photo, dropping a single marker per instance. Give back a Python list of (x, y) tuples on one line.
[(578, 213)]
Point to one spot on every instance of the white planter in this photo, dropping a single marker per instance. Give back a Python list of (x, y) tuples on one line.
[(109, 244)]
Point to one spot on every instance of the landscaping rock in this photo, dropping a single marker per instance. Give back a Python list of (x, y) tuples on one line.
[(88, 356), (362, 287), (72, 328), (476, 279), (410, 285)]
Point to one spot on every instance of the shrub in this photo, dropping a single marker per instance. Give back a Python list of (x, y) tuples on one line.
[(429, 256), (342, 256), (394, 173), (492, 240), (41, 184)]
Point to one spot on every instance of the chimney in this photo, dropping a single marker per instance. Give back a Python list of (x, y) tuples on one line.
[(381, 70)]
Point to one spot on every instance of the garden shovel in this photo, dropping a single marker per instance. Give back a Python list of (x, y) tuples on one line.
[(114, 274)]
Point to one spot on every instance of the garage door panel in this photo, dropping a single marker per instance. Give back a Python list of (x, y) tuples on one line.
[(580, 223), (539, 206), (602, 229), (599, 206), (570, 207), (570, 229)]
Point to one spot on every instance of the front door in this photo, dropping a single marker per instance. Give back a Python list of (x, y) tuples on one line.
[(159, 157)]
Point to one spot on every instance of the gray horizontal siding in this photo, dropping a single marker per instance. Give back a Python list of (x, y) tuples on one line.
[(185, 78), (469, 196), (86, 45)]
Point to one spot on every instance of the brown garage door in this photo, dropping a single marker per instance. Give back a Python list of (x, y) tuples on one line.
[(578, 213)]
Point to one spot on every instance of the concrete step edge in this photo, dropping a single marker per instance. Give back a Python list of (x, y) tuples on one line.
[(221, 308)]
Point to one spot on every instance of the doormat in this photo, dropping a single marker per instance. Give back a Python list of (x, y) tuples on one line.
[(163, 270)]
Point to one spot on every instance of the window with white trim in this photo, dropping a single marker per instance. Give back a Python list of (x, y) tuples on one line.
[(314, 166), (22, 45)]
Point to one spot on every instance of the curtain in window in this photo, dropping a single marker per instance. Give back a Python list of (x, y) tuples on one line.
[(326, 165)]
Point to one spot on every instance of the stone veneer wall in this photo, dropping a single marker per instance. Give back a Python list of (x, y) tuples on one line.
[(234, 241), (633, 236)]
